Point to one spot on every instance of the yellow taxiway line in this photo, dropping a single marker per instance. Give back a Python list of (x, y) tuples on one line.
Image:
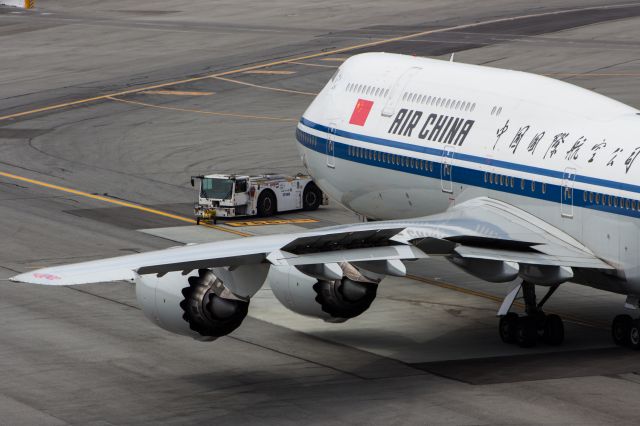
[(259, 86), (270, 72), (116, 202), (176, 93), (302, 58), (199, 111)]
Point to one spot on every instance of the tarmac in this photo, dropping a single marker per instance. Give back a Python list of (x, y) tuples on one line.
[(108, 107)]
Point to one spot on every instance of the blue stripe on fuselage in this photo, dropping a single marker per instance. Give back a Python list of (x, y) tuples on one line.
[(473, 158), (468, 175)]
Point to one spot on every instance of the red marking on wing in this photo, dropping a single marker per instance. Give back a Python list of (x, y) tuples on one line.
[(361, 112), (49, 277)]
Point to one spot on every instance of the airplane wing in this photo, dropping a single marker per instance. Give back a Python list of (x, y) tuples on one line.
[(481, 228)]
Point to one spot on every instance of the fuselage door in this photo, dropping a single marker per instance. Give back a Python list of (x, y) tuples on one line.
[(331, 149), (397, 90), (566, 196), (446, 169)]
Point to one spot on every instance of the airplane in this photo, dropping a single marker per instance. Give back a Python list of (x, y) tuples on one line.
[(512, 177)]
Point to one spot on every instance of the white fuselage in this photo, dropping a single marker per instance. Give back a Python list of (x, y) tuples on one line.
[(394, 137)]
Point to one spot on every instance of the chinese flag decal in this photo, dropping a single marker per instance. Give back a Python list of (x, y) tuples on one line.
[(361, 112)]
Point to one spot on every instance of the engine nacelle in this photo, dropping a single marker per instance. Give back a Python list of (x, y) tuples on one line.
[(331, 300), (198, 305)]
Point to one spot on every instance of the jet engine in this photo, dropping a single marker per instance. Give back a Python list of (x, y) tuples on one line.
[(200, 305), (346, 296)]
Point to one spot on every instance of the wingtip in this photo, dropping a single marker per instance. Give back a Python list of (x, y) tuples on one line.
[(36, 277)]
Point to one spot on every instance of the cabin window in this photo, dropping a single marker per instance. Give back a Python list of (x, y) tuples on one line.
[(430, 167), (615, 201), (414, 97), (499, 111), (386, 92), (533, 186), (512, 181), (473, 106), (446, 105), (458, 104), (413, 164), (485, 177), (522, 184), (584, 196), (493, 111), (377, 91), (626, 204), (591, 197), (633, 205), (597, 198), (501, 179), (544, 188), (404, 97), (608, 199)]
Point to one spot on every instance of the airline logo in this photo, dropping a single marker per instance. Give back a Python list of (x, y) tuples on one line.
[(432, 127), (361, 112)]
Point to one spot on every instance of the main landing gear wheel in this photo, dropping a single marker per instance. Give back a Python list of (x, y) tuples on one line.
[(553, 333), (507, 327), (526, 330), (621, 330)]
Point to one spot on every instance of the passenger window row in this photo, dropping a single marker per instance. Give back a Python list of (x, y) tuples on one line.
[(306, 138), (610, 200), (509, 182), (387, 158), (367, 90), (438, 102)]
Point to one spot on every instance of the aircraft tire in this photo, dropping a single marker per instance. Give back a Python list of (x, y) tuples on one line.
[(621, 329), (553, 330), (634, 335), (526, 332), (507, 327)]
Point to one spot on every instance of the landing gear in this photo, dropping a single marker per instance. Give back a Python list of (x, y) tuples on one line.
[(625, 331), (526, 330)]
